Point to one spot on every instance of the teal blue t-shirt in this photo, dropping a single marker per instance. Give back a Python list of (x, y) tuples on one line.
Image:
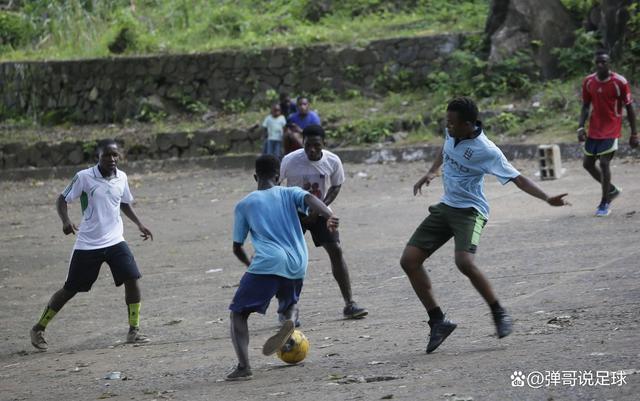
[(271, 216), (464, 167)]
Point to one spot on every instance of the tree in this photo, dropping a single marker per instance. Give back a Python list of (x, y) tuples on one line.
[(531, 26)]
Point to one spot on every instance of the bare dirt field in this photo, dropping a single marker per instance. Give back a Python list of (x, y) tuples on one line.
[(570, 280)]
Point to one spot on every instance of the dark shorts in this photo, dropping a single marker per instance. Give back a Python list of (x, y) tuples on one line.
[(444, 222), (319, 231), (598, 147), (85, 266), (256, 290)]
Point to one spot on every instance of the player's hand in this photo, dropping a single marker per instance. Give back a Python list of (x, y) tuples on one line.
[(558, 200), (69, 228), (426, 180), (633, 141), (146, 233), (581, 135), (332, 223)]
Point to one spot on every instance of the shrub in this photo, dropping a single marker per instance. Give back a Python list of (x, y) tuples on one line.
[(15, 29), (574, 60)]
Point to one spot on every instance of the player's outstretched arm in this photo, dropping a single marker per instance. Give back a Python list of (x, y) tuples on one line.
[(631, 115), (431, 174), (238, 250), (317, 206), (128, 211), (530, 187), (67, 226)]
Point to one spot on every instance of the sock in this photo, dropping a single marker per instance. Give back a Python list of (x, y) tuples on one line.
[(436, 314), (495, 306), (134, 314), (46, 317)]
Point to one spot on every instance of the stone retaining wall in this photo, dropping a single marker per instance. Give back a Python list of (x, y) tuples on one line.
[(161, 146), (418, 153), (112, 89)]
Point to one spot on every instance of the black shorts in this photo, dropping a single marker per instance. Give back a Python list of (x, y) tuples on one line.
[(599, 147), (319, 231), (85, 266)]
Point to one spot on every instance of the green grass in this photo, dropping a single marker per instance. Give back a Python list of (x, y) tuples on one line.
[(70, 29)]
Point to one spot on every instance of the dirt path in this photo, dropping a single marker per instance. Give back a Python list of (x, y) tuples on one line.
[(544, 263)]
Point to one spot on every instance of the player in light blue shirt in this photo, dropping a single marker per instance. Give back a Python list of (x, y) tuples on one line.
[(466, 156), (278, 267)]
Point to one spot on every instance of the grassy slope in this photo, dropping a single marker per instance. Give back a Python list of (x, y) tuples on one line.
[(66, 30)]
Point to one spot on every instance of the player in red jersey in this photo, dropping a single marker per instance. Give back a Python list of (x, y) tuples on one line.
[(608, 93)]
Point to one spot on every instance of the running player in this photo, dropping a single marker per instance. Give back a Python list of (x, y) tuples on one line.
[(467, 155)]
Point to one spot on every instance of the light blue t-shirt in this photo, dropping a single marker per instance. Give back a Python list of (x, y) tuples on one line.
[(464, 167), (271, 216)]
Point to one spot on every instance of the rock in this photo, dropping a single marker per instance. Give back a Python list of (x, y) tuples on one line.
[(534, 26), (93, 94)]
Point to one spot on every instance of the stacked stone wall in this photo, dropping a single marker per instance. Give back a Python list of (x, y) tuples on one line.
[(114, 89)]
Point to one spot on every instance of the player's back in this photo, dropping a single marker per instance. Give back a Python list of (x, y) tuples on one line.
[(271, 216)]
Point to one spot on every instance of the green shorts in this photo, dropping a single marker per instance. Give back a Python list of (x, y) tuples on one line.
[(444, 222)]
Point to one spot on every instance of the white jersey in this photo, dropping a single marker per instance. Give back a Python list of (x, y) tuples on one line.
[(100, 200), (316, 177)]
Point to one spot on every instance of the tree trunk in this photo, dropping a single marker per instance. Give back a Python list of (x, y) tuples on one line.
[(531, 26)]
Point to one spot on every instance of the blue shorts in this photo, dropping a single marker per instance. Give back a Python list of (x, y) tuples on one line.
[(85, 266), (598, 147), (256, 290)]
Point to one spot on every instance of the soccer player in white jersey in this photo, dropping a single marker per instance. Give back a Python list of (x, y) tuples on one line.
[(320, 172), (104, 192), (467, 155)]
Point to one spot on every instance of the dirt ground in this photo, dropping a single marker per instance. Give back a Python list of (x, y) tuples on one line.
[(571, 282)]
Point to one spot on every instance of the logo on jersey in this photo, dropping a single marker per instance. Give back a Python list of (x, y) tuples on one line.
[(468, 153), (454, 164)]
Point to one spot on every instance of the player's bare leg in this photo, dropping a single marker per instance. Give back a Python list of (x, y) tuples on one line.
[(57, 301), (341, 275), (412, 263), (240, 340), (502, 320)]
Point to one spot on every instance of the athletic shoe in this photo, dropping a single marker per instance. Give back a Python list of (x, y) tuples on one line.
[(440, 330), (135, 337), (614, 193), (282, 318), (504, 323), (38, 341), (603, 210), (353, 311), (275, 342), (239, 374)]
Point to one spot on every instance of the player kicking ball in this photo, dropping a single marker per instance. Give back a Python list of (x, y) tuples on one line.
[(104, 193), (466, 156), (279, 265)]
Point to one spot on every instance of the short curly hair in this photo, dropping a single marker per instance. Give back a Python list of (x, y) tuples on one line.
[(267, 166), (465, 107)]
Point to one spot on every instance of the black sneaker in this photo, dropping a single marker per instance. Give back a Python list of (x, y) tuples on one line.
[(440, 330), (504, 323), (239, 374), (614, 193), (353, 311)]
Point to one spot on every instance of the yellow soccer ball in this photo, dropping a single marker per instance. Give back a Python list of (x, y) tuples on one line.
[(296, 348)]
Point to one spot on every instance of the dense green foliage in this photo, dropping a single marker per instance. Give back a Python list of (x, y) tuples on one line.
[(95, 28)]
